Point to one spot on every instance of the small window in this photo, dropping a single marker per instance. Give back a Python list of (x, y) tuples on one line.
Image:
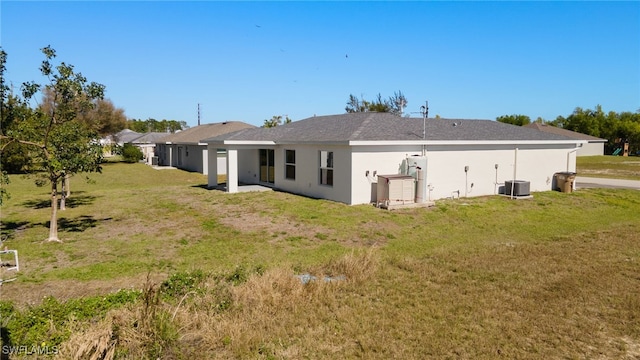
[(326, 168), (290, 164)]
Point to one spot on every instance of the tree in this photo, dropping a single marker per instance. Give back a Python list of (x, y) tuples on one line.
[(519, 120), (394, 104), (153, 125), (275, 121), (15, 156), (615, 127), (103, 117), (7, 115), (131, 153), (60, 143)]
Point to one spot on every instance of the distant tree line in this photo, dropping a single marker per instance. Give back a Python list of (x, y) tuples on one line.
[(617, 128), (153, 125)]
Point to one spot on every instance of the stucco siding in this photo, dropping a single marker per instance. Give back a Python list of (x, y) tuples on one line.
[(192, 158), (249, 166), (354, 167), (381, 160), (307, 172), (592, 149), (446, 176)]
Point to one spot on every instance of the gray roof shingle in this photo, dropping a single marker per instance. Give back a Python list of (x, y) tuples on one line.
[(196, 134), (126, 136), (371, 126), (149, 138)]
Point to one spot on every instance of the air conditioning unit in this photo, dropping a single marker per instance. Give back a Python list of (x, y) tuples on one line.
[(520, 187), (154, 160)]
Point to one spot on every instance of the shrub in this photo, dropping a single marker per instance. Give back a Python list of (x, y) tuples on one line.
[(50, 321), (131, 154)]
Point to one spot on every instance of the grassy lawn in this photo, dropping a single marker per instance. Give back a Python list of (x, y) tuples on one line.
[(153, 265), (606, 166)]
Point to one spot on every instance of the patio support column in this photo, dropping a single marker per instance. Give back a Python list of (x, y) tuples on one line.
[(232, 171), (205, 160), (212, 159), (170, 155)]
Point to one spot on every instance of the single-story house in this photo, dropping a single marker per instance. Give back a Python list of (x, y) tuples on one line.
[(184, 149), (120, 138), (147, 144), (338, 157), (594, 145)]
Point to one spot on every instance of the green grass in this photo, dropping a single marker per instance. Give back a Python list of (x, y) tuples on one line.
[(550, 277), (616, 167)]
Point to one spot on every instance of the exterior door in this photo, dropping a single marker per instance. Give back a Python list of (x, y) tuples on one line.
[(267, 167)]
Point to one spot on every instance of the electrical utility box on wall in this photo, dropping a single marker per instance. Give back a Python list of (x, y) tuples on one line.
[(395, 190)]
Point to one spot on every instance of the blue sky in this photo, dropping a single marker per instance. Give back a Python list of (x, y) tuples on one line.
[(249, 61)]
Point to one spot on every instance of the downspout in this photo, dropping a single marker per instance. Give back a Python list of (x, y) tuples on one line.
[(569, 154), (495, 183), (515, 167), (568, 159)]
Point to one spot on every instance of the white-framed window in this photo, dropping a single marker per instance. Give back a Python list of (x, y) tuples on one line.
[(290, 164), (326, 168)]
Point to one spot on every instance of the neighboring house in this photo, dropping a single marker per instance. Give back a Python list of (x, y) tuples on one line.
[(184, 149), (147, 144), (126, 136), (594, 145), (109, 142), (337, 157)]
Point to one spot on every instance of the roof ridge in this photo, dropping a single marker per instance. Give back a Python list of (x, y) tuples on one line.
[(363, 124)]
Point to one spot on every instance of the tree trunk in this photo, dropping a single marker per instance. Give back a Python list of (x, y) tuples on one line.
[(53, 224), (64, 194), (67, 184)]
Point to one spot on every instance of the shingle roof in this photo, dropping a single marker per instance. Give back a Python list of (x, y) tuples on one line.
[(568, 133), (195, 134), (150, 138), (126, 136), (371, 126)]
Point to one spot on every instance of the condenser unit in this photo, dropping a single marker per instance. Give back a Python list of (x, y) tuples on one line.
[(520, 187)]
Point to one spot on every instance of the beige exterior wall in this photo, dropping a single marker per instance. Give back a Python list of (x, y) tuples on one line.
[(354, 167)]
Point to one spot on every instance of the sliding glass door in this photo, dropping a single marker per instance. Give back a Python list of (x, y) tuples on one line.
[(267, 166)]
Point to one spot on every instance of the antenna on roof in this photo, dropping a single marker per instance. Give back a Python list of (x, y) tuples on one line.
[(425, 113), (198, 114)]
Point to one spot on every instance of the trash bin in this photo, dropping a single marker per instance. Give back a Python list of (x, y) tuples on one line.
[(565, 180)]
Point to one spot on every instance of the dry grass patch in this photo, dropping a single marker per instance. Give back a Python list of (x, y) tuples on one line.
[(573, 297), (268, 315)]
